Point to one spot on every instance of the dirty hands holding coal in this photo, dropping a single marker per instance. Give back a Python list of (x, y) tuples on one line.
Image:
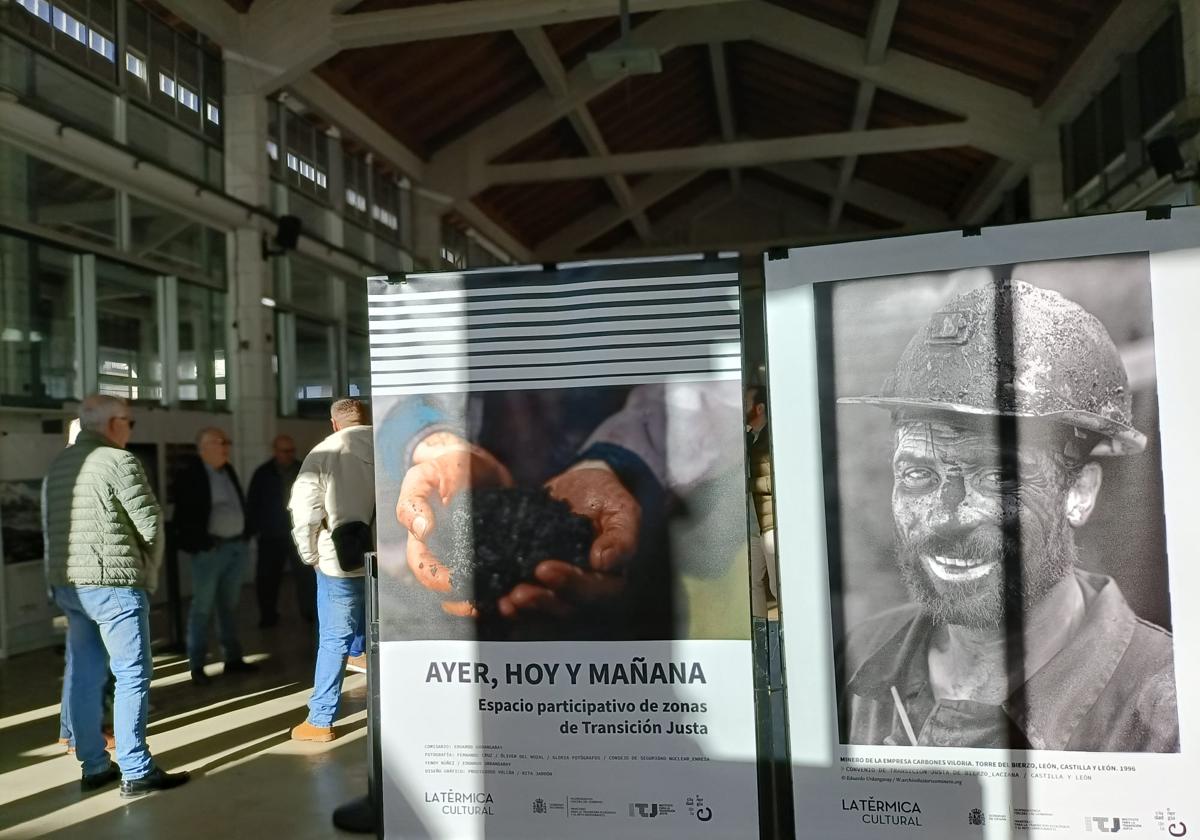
[(445, 464)]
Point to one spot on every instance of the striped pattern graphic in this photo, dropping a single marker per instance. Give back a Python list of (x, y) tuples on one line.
[(449, 333)]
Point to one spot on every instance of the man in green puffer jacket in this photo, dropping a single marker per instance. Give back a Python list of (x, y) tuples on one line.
[(104, 547)]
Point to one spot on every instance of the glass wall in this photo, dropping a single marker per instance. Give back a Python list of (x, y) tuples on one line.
[(37, 323), (200, 362), (128, 351), (75, 58)]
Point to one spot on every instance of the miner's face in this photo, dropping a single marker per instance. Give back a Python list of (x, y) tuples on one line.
[(972, 537)]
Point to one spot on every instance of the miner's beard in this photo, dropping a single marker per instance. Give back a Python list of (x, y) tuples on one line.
[(1025, 567)]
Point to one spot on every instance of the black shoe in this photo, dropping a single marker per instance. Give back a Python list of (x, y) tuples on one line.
[(157, 779), (95, 781), (199, 678), (240, 666), (356, 816)]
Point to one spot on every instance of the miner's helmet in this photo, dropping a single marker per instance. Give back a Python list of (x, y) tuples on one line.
[(1044, 358)]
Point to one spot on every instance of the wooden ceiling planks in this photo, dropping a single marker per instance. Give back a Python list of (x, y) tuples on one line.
[(430, 92), (776, 95), (669, 110), (533, 212)]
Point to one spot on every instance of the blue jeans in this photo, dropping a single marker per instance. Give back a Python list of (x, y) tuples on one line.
[(340, 616), (108, 627), (217, 577)]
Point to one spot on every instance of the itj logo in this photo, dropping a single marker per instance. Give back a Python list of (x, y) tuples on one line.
[(642, 809), (1107, 825)]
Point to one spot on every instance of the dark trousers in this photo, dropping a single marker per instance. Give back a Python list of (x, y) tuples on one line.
[(274, 555)]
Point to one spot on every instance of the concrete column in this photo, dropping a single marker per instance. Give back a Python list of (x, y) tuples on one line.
[(427, 215), (1046, 185), (251, 341), (1189, 12)]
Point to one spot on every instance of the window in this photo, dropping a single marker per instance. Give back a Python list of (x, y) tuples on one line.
[(272, 150), (166, 84), (188, 98), (37, 311), (307, 365), (358, 365), (102, 45), (127, 324), (200, 363), (355, 200), (63, 22), (136, 66), (39, 8), (213, 113)]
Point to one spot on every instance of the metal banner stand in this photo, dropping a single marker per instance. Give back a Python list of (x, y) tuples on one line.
[(364, 814)]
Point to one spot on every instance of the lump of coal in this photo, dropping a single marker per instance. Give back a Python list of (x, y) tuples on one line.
[(492, 539)]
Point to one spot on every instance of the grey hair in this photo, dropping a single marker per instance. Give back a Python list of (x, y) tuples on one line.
[(96, 410), (349, 411), (208, 430)]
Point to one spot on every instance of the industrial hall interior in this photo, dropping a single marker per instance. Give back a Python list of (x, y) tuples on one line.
[(210, 210)]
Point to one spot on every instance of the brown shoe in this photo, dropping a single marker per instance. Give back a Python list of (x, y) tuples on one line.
[(307, 732), (357, 664)]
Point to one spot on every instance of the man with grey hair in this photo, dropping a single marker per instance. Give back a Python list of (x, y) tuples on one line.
[(333, 513), (104, 550), (210, 522)]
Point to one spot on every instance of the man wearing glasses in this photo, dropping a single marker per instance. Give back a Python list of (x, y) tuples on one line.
[(210, 523), (104, 551)]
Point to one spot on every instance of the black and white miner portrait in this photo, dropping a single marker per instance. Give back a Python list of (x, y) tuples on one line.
[(994, 513)]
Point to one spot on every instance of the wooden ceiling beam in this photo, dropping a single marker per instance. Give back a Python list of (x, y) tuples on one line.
[(724, 99), (545, 60), (647, 193), (739, 153), (470, 17), (457, 165), (879, 33), (1131, 22), (860, 193), (1007, 118)]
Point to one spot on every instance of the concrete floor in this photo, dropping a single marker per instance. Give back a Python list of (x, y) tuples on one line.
[(248, 778)]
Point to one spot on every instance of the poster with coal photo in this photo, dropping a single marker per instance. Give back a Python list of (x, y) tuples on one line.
[(564, 590), (992, 429)]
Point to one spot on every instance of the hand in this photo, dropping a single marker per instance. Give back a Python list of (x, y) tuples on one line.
[(593, 490), (443, 465)]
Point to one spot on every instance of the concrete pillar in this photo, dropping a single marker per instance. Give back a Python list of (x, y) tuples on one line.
[(1189, 13), (1046, 185), (427, 228), (251, 341)]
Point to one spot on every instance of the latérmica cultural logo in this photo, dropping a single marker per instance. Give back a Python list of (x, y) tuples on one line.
[(884, 812), (461, 803)]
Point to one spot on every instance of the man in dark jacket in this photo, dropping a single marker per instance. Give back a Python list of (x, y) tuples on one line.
[(267, 518), (210, 524)]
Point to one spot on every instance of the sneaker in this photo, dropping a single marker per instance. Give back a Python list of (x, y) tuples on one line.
[(240, 666), (95, 781), (357, 664), (307, 732), (199, 678), (156, 779)]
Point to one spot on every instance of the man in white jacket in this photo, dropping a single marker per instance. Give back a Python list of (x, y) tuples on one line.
[(336, 487)]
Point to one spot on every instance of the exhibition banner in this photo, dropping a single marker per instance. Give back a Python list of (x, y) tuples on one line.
[(990, 458), (563, 596)]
